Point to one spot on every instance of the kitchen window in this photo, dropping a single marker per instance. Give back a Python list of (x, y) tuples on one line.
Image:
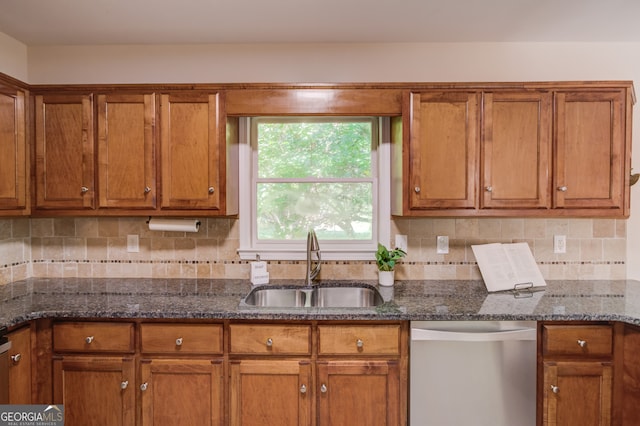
[(321, 173)]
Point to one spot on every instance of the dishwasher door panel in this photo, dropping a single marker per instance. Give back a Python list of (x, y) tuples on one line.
[(480, 374)]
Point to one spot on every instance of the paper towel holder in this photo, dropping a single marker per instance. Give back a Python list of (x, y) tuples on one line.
[(173, 224)]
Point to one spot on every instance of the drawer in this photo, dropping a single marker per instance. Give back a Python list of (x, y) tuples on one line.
[(592, 340), (181, 338), (359, 340), (270, 339), (93, 337)]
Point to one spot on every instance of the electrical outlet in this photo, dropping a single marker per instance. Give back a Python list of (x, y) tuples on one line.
[(559, 243), (442, 244), (133, 244), (401, 242)]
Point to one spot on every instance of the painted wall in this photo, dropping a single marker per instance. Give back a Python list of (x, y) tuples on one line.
[(597, 243), (13, 57)]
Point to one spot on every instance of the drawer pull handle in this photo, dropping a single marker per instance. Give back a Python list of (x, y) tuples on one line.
[(88, 340), (582, 343), (359, 343), (16, 358), (303, 389), (179, 341), (144, 386), (323, 388), (555, 389), (269, 342), (124, 384)]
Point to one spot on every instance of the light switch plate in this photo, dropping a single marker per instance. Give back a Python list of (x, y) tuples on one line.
[(133, 244), (559, 243), (401, 242), (442, 244)]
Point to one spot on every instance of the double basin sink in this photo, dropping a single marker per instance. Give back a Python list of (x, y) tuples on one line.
[(349, 296)]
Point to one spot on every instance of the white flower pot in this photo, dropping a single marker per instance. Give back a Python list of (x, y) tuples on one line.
[(386, 278)]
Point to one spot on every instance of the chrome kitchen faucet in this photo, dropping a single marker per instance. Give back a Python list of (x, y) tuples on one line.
[(312, 248)]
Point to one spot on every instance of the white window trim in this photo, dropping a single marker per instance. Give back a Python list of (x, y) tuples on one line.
[(297, 250)]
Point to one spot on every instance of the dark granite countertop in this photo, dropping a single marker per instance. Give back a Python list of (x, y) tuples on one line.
[(612, 300)]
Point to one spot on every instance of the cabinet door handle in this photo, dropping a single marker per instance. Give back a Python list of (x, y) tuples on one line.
[(84, 189), (16, 358), (417, 189), (582, 343), (147, 190), (555, 389), (269, 342), (124, 384), (359, 344), (562, 188), (211, 190), (88, 340), (303, 389), (323, 388), (144, 386), (179, 341), (488, 188)]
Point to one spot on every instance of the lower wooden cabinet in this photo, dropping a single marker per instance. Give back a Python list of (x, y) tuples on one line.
[(20, 366), (182, 392), (359, 393), (577, 393), (302, 373), (577, 374), (95, 390), (270, 393)]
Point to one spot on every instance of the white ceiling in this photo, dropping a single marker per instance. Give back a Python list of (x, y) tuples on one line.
[(75, 22)]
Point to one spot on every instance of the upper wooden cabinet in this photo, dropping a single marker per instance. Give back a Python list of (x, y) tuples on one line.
[(515, 153), (592, 151), (442, 153), (65, 144), (533, 150), (13, 152), (126, 151), (194, 135)]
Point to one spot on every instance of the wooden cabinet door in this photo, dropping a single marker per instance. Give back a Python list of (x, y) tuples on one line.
[(64, 152), (271, 393), (516, 150), (95, 391), (363, 392), (126, 151), (182, 392), (20, 366), (577, 393), (13, 151), (590, 150), (443, 139), (191, 143)]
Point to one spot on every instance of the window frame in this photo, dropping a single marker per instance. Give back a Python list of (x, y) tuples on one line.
[(251, 249)]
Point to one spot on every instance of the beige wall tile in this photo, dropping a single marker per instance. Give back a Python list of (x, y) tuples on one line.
[(5, 229), (580, 228), (42, 227), (604, 228), (64, 227), (21, 228)]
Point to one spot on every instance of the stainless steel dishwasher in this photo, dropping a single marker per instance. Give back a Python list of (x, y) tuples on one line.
[(473, 373)]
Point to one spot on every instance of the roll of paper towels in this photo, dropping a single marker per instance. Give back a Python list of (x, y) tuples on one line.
[(176, 225)]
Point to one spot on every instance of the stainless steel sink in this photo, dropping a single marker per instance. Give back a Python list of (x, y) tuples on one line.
[(352, 296)]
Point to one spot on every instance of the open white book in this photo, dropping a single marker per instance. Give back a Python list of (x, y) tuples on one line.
[(507, 266)]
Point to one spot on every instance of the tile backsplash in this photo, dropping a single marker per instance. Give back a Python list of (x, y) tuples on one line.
[(97, 247)]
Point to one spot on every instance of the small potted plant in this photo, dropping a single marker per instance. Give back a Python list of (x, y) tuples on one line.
[(386, 261)]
